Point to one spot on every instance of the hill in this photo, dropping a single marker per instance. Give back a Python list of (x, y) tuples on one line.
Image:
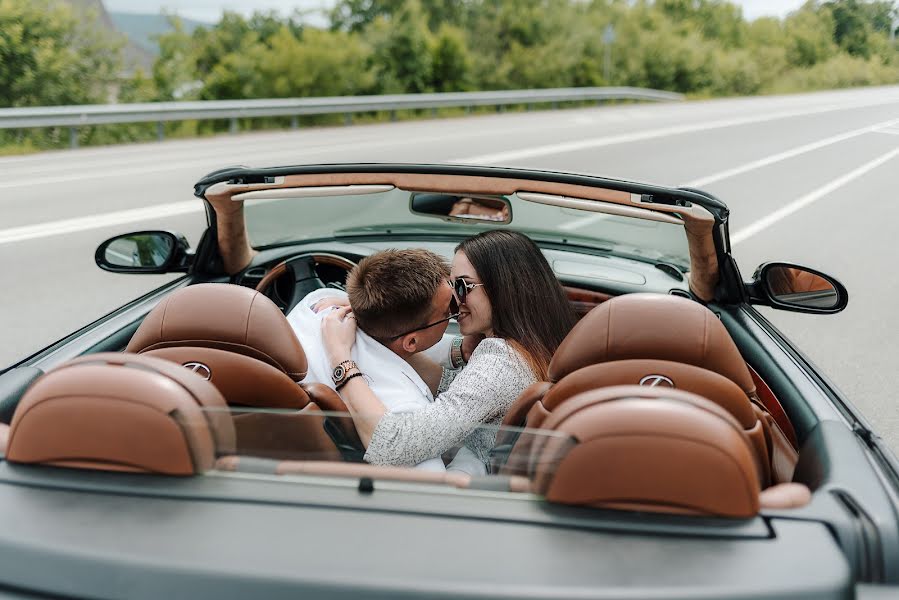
[(142, 28), (133, 55)]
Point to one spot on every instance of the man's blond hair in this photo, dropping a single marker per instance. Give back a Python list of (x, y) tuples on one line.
[(392, 291)]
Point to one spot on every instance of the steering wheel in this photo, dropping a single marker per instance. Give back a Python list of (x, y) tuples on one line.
[(300, 272)]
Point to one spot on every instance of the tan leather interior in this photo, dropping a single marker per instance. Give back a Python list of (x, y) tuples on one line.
[(225, 317), (637, 336), (121, 412), (248, 350), (655, 326), (701, 382), (583, 301), (698, 222), (647, 449)]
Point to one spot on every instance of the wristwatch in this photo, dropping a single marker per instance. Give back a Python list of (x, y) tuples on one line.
[(456, 358), (339, 374)]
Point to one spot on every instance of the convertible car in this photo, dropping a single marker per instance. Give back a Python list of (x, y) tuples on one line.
[(681, 447)]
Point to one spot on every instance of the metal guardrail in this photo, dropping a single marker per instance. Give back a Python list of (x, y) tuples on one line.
[(161, 112)]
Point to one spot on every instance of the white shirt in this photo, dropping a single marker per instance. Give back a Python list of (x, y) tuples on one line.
[(392, 379)]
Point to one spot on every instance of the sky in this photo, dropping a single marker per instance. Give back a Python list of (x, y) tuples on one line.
[(211, 10)]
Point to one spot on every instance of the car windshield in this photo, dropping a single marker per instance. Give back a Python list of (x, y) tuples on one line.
[(273, 221), (288, 443)]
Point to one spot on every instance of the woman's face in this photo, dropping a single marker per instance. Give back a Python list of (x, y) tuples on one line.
[(475, 315)]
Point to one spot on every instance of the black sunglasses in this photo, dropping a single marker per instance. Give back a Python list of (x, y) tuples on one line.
[(462, 287), (454, 312)]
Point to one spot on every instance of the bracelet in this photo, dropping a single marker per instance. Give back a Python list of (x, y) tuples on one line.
[(456, 358), (348, 377), (348, 365)]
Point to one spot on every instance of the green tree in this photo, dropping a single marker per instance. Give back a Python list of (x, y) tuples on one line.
[(50, 57), (401, 57), (451, 63)]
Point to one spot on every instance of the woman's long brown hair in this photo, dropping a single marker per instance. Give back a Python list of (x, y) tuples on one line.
[(530, 308)]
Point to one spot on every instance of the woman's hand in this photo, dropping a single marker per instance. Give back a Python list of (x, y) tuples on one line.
[(329, 302), (339, 334)]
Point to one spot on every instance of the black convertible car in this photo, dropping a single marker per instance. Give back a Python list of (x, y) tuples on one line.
[(681, 448)]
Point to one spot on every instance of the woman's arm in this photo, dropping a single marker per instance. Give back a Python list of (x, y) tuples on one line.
[(481, 393)]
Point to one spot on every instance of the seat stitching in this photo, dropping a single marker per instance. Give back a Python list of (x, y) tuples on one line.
[(246, 335)]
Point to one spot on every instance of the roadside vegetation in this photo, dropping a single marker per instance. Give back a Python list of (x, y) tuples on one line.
[(703, 48)]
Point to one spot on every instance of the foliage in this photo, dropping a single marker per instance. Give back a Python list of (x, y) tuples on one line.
[(699, 47), (49, 57)]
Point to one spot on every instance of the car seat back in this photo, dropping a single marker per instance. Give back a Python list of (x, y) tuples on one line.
[(119, 412)]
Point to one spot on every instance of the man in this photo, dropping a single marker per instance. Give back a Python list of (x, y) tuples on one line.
[(402, 303)]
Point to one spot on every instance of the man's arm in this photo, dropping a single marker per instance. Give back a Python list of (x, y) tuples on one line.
[(233, 239)]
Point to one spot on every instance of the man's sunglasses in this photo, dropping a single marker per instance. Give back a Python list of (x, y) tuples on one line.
[(454, 312), (462, 287)]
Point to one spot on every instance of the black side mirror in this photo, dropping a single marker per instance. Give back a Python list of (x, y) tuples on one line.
[(796, 288), (144, 252)]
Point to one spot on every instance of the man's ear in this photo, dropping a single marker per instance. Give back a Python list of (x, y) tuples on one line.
[(410, 343)]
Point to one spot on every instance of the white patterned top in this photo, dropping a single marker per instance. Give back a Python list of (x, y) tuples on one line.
[(481, 393)]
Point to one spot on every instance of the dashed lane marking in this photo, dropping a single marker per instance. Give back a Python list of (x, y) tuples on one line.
[(810, 198)]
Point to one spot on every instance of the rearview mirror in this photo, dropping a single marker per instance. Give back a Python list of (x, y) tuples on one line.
[(796, 288), (462, 208), (143, 252)]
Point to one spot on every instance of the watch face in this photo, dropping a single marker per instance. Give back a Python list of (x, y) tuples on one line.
[(338, 373)]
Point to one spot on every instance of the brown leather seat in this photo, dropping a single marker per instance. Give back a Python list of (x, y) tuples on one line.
[(655, 339), (244, 345), (646, 449), (120, 412)]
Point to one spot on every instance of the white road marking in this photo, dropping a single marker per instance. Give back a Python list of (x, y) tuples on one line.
[(30, 232), (785, 211), (775, 158), (627, 138)]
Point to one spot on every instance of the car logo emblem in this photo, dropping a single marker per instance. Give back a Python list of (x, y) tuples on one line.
[(200, 369), (657, 381)]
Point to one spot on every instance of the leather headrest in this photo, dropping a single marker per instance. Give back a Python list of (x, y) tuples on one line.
[(120, 412), (651, 326), (717, 388), (225, 317), (650, 449)]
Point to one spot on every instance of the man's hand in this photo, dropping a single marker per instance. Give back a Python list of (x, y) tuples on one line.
[(339, 334), (329, 302), (469, 343)]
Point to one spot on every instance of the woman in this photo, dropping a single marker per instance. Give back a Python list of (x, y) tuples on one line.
[(507, 292)]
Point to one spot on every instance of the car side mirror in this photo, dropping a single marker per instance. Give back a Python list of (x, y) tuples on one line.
[(796, 288), (144, 252), (462, 208)]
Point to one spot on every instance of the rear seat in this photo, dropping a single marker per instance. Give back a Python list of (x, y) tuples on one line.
[(661, 340), (121, 412)]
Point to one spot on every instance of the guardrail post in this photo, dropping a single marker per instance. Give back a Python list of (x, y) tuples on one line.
[(234, 125), (294, 122), (347, 118), (73, 137), (393, 116), (160, 130)]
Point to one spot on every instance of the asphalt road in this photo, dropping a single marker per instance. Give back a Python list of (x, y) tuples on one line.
[(809, 178)]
